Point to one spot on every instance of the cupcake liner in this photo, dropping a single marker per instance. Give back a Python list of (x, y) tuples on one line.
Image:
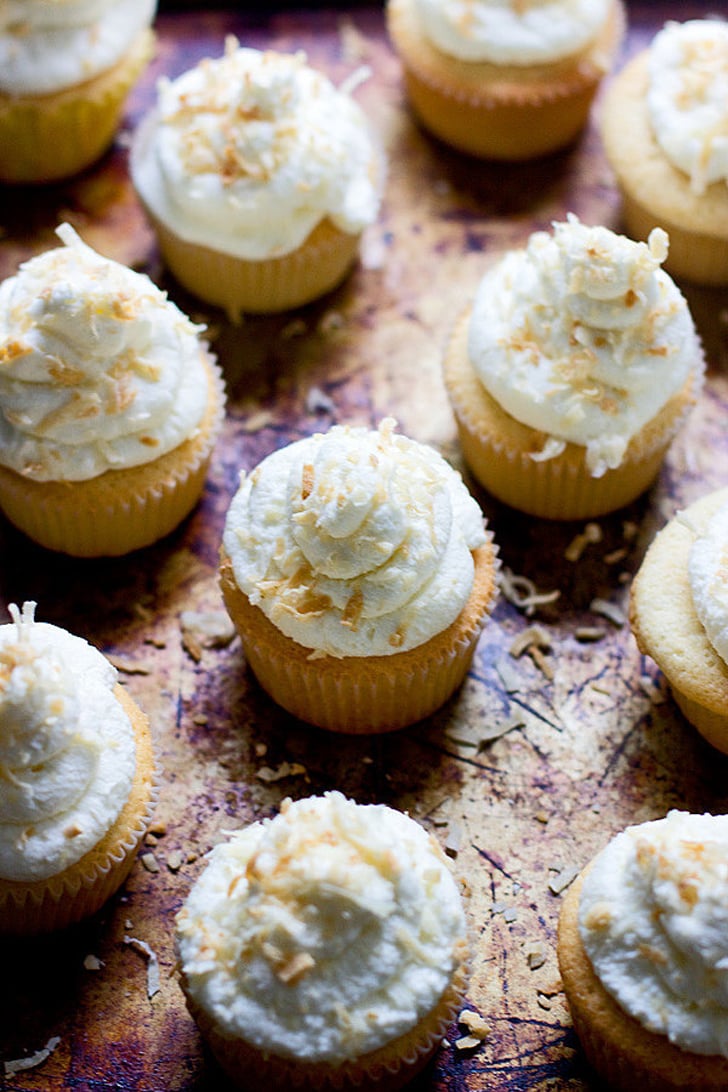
[(655, 193), (265, 286), (387, 1069), (48, 137), (42, 906), (500, 111), (499, 450), (121, 510), (363, 694), (624, 1053)]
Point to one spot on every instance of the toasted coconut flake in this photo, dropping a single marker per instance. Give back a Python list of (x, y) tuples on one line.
[(523, 593), (147, 953), (591, 534), (608, 610), (18, 1065), (564, 878), (285, 769)]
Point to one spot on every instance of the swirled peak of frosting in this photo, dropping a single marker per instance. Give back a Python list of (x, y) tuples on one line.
[(67, 751), (510, 32), (47, 45), (708, 576), (355, 542), (653, 918), (584, 337), (687, 98), (250, 151), (323, 933), (98, 369)]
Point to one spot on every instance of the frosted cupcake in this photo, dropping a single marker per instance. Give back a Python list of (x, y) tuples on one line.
[(359, 573), (679, 612), (504, 80), (324, 948), (664, 125), (572, 371), (110, 404), (77, 777), (644, 956), (259, 177), (65, 72)]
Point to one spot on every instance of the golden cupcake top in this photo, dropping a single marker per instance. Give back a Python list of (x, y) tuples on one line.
[(67, 750), (99, 370), (584, 337), (355, 542), (248, 152), (323, 933)]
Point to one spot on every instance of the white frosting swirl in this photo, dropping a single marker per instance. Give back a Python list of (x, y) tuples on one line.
[(324, 933), (708, 576), (98, 369), (67, 750), (355, 542), (48, 46), (687, 98), (653, 918), (247, 153), (509, 32), (582, 336)]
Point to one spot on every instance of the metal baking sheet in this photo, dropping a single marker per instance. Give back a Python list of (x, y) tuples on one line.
[(562, 734)]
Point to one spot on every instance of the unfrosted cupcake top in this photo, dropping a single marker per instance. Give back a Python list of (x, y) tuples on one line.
[(583, 336), (508, 32), (247, 153), (67, 749), (98, 369), (687, 98), (708, 576), (324, 933), (47, 45), (653, 918), (355, 542)]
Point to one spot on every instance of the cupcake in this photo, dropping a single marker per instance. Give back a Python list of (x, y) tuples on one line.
[(259, 177), (110, 404), (324, 948), (664, 123), (65, 72), (78, 783), (679, 612), (572, 371), (358, 572), (643, 952), (504, 81)]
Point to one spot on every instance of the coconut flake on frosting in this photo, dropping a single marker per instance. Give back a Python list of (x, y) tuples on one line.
[(510, 32), (323, 933), (582, 336), (355, 542), (67, 749), (99, 370), (687, 98), (708, 577), (248, 152), (46, 47), (653, 918)]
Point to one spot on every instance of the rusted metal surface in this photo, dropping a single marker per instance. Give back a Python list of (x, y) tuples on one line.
[(587, 739)]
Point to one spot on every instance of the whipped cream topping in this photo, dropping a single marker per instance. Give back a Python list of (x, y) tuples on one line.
[(247, 153), (687, 98), (323, 933), (45, 47), (67, 750), (98, 369), (708, 576), (355, 542), (583, 336), (653, 918), (509, 32)]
